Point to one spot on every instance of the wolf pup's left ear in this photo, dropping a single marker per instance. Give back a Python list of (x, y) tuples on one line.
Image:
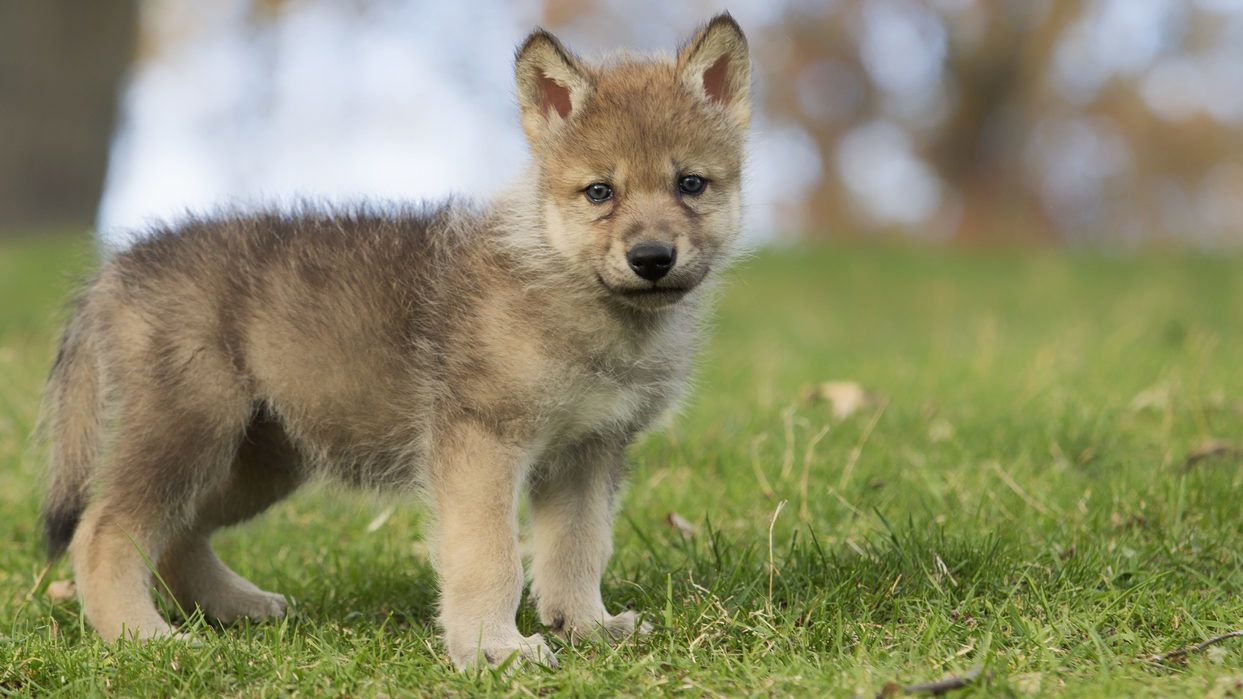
[(716, 65), (552, 85)]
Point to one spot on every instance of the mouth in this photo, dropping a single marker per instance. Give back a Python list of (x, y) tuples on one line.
[(653, 291), (647, 295)]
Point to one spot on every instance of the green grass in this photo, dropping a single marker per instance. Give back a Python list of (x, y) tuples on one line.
[(1005, 502)]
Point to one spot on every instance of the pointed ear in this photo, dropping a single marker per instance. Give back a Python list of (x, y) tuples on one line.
[(716, 65), (552, 85)]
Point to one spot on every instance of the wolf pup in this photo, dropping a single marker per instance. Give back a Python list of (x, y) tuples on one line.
[(469, 356)]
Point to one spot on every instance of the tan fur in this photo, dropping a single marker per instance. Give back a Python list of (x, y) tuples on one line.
[(472, 356)]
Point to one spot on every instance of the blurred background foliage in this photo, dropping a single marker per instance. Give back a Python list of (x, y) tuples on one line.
[(1110, 123)]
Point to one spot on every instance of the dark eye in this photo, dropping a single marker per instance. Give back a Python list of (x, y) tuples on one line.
[(598, 193), (692, 184)]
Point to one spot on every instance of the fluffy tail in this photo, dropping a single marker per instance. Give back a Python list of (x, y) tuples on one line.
[(71, 423)]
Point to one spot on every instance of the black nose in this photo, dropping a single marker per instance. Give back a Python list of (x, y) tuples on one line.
[(652, 260)]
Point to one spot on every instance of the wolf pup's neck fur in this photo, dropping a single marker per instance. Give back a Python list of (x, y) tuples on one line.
[(469, 355)]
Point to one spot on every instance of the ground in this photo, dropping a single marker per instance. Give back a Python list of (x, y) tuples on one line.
[(1019, 491)]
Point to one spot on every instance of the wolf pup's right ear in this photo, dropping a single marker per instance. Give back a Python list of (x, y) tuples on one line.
[(716, 66), (552, 85)]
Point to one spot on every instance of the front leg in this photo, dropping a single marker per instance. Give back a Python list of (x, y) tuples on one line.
[(474, 482), (572, 500)]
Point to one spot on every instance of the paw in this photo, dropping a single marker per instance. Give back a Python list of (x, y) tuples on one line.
[(496, 651), (596, 626), (151, 633), (222, 594), (143, 633), (623, 626), (240, 603)]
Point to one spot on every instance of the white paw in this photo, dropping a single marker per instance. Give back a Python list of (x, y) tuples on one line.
[(496, 651), (597, 626), (625, 625)]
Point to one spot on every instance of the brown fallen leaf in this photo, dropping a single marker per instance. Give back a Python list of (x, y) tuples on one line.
[(683, 527), (1210, 449), (845, 398), (62, 590)]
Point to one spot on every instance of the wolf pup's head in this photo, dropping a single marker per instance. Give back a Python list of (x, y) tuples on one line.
[(639, 161)]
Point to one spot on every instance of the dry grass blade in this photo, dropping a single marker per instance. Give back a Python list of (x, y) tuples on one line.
[(380, 519), (804, 482), (858, 450), (1019, 490), (772, 564), (765, 486), (1182, 653)]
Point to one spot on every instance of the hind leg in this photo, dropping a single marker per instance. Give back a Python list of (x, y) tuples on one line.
[(164, 456), (198, 578), (110, 562), (266, 469)]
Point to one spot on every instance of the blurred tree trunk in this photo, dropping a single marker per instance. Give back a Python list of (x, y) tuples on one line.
[(62, 66), (1000, 96)]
